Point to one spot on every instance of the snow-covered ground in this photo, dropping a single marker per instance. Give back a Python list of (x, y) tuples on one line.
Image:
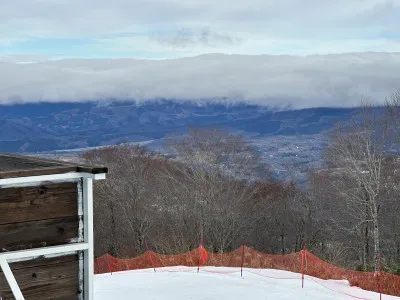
[(184, 283)]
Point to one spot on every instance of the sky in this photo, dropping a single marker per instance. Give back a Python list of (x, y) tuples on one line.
[(304, 53), (157, 29)]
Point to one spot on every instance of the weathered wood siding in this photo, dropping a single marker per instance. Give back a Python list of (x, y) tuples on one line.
[(38, 216), (45, 279)]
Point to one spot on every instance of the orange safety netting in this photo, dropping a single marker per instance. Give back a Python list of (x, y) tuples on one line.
[(249, 258)]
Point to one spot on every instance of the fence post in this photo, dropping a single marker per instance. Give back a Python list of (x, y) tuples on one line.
[(241, 267), (380, 275), (108, 263), (201, 245), (198, 264), (151, 259), (303, 258)]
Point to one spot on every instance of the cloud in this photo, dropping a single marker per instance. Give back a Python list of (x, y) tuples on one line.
[(140, 46), (317, 80), (202, 26), (205, 37), (27, 58), (66, 18)]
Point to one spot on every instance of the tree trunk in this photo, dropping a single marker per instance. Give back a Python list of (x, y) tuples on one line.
[(377, 248), (366, 247), (363, 252), (398, 253), (113, 238), (366, 258)]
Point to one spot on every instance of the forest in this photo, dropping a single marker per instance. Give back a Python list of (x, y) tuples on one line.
[(215, 184)]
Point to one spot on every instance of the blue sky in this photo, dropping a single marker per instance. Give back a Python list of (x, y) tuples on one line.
[(157, 29)]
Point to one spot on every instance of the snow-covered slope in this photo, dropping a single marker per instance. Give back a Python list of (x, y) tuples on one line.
[(184, 283)]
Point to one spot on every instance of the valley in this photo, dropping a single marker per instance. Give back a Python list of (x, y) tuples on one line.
[(291, 141)]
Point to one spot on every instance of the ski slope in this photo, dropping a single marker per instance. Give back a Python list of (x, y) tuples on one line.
[(217, 283)]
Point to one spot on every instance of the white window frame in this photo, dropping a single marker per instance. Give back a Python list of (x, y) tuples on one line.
[(87, 246)]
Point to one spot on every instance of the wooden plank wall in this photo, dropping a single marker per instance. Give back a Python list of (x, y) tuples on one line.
[(39, 216), (45, 279)]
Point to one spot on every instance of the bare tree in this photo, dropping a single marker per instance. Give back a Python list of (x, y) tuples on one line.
[(358, 152), (121, 206), (221, 207), (341, 227), (217, 166), (215, 150), (393, 113)]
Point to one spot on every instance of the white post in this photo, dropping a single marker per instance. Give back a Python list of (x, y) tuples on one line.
[(11, 279), (9, 182), (15, 256), (88, 238)]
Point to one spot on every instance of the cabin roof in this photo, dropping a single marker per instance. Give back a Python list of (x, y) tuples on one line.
[(13, 165)]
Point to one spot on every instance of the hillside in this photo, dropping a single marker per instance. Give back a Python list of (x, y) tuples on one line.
[(284, 137)]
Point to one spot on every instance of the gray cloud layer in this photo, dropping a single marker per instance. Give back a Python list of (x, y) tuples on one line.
[(76, 18), (320, 80), (205, 37)]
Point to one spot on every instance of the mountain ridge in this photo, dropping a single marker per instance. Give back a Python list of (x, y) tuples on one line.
[(78, 125)]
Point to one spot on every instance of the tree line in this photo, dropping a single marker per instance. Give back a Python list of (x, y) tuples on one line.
[(215, 184)]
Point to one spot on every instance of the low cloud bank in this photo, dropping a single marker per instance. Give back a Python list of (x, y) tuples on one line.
[(320, 80)]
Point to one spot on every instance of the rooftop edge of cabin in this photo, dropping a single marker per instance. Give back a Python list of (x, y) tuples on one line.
[(14, 165)]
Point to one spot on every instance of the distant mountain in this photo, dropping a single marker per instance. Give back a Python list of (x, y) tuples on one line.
[(55, 126), (289, 140)]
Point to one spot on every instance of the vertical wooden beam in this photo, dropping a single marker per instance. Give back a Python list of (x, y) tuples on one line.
[(81, 239), (88, 238), (11, 279)]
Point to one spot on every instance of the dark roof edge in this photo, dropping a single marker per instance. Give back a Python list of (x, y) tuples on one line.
[(59, 166), (37, 172)]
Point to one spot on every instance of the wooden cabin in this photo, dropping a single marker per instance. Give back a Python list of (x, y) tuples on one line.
[(46, 228)]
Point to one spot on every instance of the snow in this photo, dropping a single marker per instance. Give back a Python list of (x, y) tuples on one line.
[(184, 283)]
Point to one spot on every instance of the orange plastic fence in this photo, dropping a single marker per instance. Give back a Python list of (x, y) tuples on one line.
[(249, 258)]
